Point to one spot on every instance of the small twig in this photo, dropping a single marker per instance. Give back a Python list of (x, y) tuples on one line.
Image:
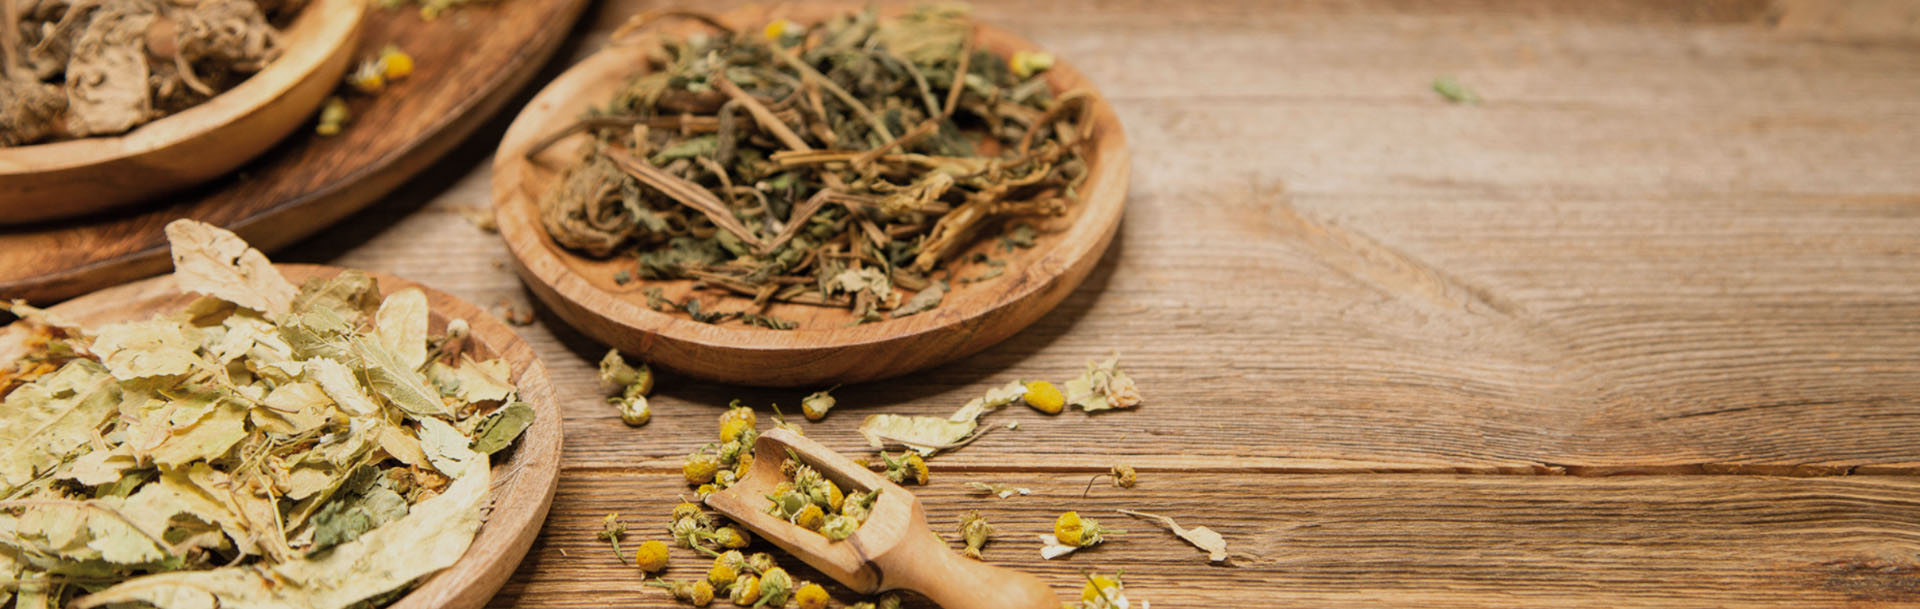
[(842, 94), (761, 114), (687, 193), (959, 76), (798, 219), (925, 128)]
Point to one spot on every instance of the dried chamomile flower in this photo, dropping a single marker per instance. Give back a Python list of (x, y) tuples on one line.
[(816, 405), (395, 63), (736, 422), (1123, 476), (1072, 530), (908, 466), (760, 562), (616, 376), (651, 557), (839, 526), (859, 504), (731, 537), (687, 509), (726, 567), (697, 592), (634, 410), (975, 530), (334, 116), (1044, 397), (811, 596), (775, 587), (611, 530), (811, 517), (1102, 592), (700, 467), (745, 590)]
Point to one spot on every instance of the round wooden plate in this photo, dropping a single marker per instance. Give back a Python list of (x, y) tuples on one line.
[(81, 176), (467, 65), (523, 482), (824, 349)]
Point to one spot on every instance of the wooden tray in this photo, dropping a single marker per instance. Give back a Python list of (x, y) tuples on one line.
[(523, 483), (469, 62), (824, 349), (85, 175)]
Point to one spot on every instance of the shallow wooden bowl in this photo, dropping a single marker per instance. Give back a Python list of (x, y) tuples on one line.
[(80, 176), (523, 478), (823, 350)]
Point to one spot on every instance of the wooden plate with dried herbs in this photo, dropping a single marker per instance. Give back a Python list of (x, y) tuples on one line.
[(807, 195), (120, 101), (219, 437)]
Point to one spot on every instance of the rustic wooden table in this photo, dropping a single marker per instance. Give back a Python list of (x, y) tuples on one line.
[(1641, 329)]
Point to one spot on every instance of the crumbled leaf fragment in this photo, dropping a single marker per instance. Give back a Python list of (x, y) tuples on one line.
[(1201, 537), (1450, 88)]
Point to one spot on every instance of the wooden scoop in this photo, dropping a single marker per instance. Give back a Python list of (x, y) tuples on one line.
[(892, 550)]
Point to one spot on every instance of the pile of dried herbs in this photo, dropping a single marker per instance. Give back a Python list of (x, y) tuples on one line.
[(835, 165), (268, 445), (811, 501), (78, 68)]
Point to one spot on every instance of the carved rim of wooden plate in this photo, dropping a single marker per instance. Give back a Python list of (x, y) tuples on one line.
[(523, 482), (74, 177), (973, 316)]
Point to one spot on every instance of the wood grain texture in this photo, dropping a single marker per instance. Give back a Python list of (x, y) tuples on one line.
[(1358, 540), (1676, 239), (824, 348), (523, 482), (468, 64), (86, 175)]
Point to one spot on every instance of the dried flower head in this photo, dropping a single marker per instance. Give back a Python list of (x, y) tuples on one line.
[(811, 596), (816, 405), (975, 530), (634, 409), (775, 587), (839, 526), (1044, 397), (700, 467), (745, 590), (610, 531), (810, 517), (1072, 530), (651, 557)]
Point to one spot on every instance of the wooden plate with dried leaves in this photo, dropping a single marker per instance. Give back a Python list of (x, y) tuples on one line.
[(993, 290), (513, 503), (63, 179)]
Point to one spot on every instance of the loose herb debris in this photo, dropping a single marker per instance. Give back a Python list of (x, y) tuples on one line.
[(1002, 490), (1201, 537), (311, 446), (1102, 592), (79, 69), (1450, 88), (830, 166), (816, 404), (1123, 476)]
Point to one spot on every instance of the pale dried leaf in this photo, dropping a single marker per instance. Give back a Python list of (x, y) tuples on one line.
[(924, 434), (401, 326), (431, 537), (212, 261), (1201, 537), (340, 384)]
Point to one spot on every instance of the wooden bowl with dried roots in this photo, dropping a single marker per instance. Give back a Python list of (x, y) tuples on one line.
[(992, 290), (66, 178)]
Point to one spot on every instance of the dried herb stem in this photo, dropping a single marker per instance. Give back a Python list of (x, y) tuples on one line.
[(687, 193)]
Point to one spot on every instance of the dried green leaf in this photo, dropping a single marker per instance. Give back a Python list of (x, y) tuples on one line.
[(348, 295), (924, 301), (352, 514), (209, 260), (446, 447), (501, 427), (391, 378)]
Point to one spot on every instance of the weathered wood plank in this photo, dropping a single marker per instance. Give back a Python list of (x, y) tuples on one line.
[(1365, 540)]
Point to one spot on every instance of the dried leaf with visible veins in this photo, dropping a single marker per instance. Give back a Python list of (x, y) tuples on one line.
[(209, 260)]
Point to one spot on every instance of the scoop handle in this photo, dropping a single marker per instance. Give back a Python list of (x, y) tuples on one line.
[(953, 581)]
